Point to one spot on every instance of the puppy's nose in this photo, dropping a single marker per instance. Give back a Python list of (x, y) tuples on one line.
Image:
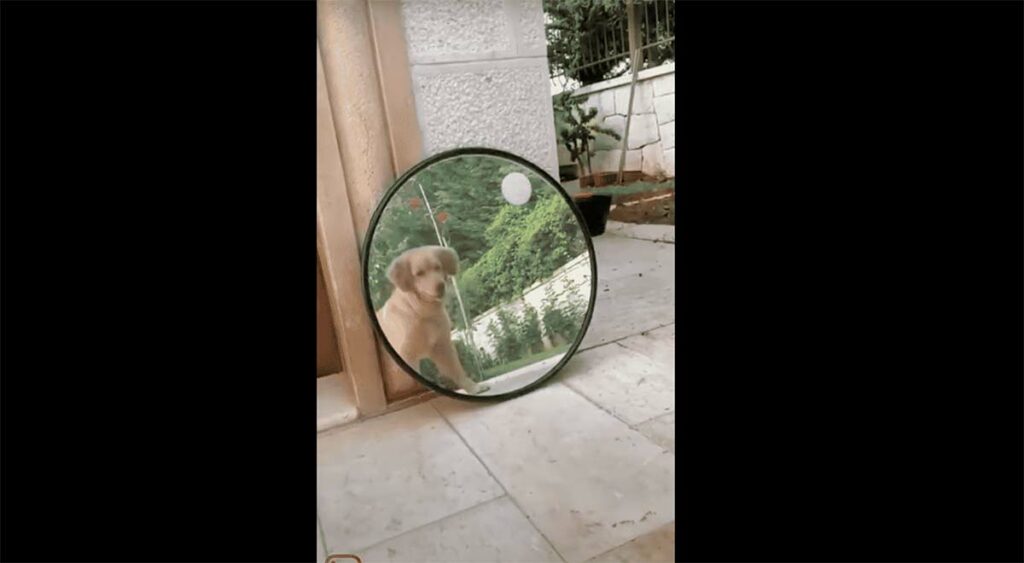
[(440, 288)]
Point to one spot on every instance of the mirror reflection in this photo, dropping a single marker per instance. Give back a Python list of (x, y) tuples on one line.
[(479, 274)]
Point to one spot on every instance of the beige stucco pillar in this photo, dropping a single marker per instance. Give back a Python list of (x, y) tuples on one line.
[(338, 253), (361, 97), (350, 67), (396, 83)]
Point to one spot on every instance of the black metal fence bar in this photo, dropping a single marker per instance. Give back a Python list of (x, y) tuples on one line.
[(657, 25), (647, 24), (606, 50)]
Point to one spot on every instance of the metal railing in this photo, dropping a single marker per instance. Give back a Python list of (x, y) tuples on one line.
[(607, 37)]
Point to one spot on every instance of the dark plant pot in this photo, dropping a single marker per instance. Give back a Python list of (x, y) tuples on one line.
[(595, 211)]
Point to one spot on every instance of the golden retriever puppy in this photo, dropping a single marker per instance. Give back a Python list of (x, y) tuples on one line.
[(414, 319)]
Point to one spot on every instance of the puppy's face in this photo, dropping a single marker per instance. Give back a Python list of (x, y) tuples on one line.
[(422, 271)]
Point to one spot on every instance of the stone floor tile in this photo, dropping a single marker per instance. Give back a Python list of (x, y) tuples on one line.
[(586, 480), (492, 532), (388, 475), (635, 288), (656, 233), (629, 384), (658, 546), (658, 344), (661, 431)]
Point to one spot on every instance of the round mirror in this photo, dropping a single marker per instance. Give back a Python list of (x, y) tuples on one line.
[(479, 274)]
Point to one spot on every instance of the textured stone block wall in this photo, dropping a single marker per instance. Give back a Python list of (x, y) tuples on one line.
[(480, 76), (651, 146)]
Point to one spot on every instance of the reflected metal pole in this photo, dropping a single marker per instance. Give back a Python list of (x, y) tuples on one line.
[(458, 296)]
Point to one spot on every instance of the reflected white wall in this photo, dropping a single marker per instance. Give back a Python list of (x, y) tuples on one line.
[(576, 272)]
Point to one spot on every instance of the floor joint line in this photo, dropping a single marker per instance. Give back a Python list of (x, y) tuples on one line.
[(500, 484)]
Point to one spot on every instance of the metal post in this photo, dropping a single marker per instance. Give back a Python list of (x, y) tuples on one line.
[(635, 61), (458, 296)]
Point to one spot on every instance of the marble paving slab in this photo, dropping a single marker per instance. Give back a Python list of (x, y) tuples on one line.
[(635, 289), (388, 475), (658, 344), (658, 233), (495, 531), (661, 431), (629, 384), (335, 401), (658, 546), (585, 479)]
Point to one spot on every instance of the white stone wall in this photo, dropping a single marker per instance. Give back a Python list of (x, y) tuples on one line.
[(577, 271), (651, 146), (480, 76)]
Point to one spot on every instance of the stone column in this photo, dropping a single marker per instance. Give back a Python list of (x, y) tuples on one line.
[(339, 256), (354, 84), (350, 68)]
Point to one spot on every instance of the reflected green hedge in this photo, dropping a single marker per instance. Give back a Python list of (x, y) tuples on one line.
[(503, 249)]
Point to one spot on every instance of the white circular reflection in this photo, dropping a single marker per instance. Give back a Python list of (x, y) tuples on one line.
[(516, 188)]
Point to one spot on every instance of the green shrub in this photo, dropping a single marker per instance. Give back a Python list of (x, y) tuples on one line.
[(428, 369), (474, 364), (508, 341), (563, 317), (531, 330), (577, 130), (528, 245)]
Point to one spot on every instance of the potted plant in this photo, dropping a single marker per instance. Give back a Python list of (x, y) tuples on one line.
[(577, 128)]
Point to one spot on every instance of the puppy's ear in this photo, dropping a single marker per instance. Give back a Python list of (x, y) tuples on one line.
[(449, 260), (400, 274)]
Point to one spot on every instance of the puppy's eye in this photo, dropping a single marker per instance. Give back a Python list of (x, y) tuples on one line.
[(419, 273)]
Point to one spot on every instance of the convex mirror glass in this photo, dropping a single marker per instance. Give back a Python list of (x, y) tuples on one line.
[(479, 273)]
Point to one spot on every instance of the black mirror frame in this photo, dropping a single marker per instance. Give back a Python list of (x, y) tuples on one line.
[(368, 241)]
